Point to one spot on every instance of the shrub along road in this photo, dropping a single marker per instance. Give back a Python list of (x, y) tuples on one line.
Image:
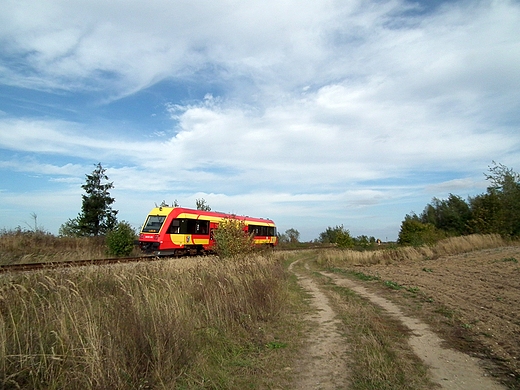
[(458, 316)]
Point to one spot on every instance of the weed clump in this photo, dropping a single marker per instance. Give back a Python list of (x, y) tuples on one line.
[(120, 240), (231, 238)]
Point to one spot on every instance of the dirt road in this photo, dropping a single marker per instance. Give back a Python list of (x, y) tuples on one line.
[(478, 295), (323, 364), (480, 287)]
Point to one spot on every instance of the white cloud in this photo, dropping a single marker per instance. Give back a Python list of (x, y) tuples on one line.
[(304, 143), (457, 186), (325, 106), (33, 166), (70, 40)]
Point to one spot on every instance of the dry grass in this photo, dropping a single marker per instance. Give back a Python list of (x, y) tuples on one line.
[(188, 323), (182, 323), (17, 246), (446, 247)]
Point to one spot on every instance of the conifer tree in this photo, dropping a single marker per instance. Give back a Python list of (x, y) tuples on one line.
[(97, 216)]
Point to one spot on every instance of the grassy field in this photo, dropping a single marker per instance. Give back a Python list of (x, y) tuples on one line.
[(447, 247), (189, 323), (17, 246), (183, 323)]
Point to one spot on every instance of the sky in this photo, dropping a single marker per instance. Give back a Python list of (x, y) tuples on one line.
[(311, 113)]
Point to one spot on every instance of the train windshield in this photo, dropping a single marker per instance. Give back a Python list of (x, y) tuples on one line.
[(153, 223)]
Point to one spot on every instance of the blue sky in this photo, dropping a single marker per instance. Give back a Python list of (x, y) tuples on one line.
[(312, 113)]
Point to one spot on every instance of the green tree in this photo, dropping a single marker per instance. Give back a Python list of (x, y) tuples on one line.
[(497, 211), (97, 216), (485, 213), (363, 241), (293, 236), (505, 184), (451, 215), (120, 240), (415, 232), (70, 228), (283, 238), (337, 235), (202, 205)]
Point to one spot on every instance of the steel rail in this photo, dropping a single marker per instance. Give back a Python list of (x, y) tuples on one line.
[(20, 267)]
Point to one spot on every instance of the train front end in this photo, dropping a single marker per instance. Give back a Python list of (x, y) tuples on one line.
[(151, 237)]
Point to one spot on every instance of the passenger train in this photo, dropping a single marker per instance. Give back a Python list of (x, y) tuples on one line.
[(178, 231)]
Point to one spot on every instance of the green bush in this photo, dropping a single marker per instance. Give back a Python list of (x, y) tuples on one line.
[(337, 235), (231, 238), (120, 241), (416, 233)]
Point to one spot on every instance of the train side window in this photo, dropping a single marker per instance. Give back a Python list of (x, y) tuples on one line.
[(175, 227), (254, 230), (257, 230), (196, 226), (202, 227)]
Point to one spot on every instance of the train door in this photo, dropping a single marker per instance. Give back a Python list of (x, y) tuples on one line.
[(212, 227)]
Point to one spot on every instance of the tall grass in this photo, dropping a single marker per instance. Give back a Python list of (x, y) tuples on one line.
[(163, 324), (446, 247), (19, 246)]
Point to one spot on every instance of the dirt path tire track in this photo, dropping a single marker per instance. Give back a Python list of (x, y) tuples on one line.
[(324, 364), (472, 299), (449, 368)]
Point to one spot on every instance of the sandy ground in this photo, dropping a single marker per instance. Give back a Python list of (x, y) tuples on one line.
[(481, 289)]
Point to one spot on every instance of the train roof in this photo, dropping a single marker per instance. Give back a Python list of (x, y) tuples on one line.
[(179, 211)]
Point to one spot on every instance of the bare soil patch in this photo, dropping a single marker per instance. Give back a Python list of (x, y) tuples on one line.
[(471, 300)]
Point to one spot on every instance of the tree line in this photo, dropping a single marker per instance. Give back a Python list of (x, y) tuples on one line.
[(337, 235), (497, 211)]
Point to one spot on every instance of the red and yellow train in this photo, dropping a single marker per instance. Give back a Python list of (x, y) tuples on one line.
[(178, 231)]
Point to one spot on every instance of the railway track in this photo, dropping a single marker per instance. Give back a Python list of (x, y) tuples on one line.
[(5, 268), (21, 267)]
